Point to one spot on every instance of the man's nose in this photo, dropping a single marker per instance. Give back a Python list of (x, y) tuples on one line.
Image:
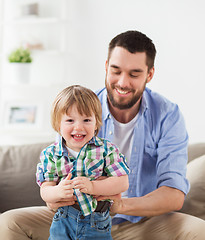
[(123, 81)]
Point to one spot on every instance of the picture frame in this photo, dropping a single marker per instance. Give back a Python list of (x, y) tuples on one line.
[(21, 115)]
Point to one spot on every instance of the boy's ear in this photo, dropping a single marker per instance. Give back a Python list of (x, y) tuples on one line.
[(96, 131)]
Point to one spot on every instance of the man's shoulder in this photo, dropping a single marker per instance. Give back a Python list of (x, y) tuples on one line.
[(101, 92), (156, 101)]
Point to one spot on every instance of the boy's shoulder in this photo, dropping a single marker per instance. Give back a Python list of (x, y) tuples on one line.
[(54, 149), (104, 142)]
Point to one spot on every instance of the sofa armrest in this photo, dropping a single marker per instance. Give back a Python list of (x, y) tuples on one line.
[(195, 200), (195, 150)]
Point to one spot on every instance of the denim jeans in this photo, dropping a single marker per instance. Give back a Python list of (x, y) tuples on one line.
[(69, 223)]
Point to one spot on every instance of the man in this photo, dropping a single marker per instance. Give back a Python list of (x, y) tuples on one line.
[(150, 131)]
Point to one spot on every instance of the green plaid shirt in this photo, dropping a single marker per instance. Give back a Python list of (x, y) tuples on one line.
[(98, 157)]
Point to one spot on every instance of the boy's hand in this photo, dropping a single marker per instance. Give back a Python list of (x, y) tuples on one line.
[(65, 187), (83, 184)]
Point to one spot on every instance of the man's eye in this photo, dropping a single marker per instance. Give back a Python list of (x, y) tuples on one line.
[(133, 76), (117, 73)]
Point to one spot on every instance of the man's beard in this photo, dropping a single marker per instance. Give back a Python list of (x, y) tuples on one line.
[(120, 105)]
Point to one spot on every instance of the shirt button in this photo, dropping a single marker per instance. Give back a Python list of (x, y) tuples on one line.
[(110, 132)]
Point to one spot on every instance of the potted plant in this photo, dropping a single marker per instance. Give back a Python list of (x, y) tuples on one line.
[(21, 60)]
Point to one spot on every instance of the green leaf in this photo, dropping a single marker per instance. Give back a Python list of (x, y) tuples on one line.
[(20, 55)]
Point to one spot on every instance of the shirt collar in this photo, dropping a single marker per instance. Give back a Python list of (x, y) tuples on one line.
[(96, 141), (61, 150), (106, 112), (144, 103)]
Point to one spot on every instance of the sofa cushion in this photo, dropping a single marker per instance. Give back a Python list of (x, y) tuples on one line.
[(195, 200), (18, 187), (195, 150)]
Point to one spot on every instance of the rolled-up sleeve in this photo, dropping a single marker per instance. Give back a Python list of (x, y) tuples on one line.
[(172, 152), (46, 170)]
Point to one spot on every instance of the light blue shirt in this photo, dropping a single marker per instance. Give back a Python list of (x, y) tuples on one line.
[(159, 151)]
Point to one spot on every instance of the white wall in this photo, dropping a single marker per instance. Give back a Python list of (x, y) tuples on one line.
[(177, 29)]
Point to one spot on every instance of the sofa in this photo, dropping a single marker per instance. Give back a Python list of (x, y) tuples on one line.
[(19, 189)]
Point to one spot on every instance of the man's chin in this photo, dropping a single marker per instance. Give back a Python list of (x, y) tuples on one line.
[(120, 106), (123, 105)]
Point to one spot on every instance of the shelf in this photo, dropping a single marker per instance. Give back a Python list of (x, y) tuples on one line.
[(46, 34), (48, 52), (51, 52), (33, 85), (34, 20)]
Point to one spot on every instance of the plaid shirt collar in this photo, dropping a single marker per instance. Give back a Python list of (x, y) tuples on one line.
[(61, 150)]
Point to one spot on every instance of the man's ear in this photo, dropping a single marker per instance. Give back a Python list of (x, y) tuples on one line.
[(106, 65), (150, 74)]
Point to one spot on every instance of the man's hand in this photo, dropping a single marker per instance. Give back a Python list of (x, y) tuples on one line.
[(117, 202), (83, 184), (55, 206)]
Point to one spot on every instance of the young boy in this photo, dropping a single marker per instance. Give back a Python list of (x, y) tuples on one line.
[(69, 167)]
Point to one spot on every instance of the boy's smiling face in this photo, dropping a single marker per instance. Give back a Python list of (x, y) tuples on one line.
[(77, 129)]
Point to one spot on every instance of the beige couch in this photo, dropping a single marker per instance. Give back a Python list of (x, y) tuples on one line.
[(19, 189)]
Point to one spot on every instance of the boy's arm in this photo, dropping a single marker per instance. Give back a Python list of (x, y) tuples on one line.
[(50, 192), (109, 186)]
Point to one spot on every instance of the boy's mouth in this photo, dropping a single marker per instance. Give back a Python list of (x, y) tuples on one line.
[(78, 136)]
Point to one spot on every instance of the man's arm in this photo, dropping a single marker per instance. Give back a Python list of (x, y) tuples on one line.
[(160, 201), (56, 205), (103, 186), (108, 186)]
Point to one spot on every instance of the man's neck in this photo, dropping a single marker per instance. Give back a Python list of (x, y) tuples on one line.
[(125, 115)]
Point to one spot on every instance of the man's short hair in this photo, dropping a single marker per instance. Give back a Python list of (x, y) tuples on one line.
[(134, 41)]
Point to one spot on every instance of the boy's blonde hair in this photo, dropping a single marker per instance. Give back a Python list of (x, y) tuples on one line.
[(85, 100)]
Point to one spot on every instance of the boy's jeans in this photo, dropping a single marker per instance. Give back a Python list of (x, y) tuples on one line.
[(69, 223)]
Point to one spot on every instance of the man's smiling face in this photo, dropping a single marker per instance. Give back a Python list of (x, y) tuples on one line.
[(126, 77)]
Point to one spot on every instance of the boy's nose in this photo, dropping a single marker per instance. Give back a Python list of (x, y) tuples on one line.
[(78, 126)]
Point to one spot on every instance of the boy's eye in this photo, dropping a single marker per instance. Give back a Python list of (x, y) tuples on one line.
[(87, 120), (69, 120)]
